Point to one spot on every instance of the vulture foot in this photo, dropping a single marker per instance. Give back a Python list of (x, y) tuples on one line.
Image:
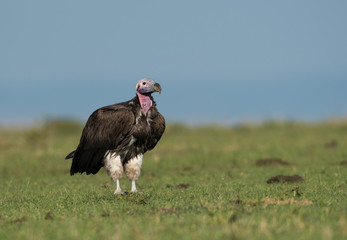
[(118, 192)]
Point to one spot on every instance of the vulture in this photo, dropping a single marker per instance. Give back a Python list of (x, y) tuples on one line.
[(117, 136)]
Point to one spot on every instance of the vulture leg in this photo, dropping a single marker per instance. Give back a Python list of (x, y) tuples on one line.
[(133, 186), (118, 189), (133, 169), (114, 169)]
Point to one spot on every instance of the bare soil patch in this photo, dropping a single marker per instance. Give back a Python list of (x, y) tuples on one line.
[(49, 216), (19, 220), (271, 162), (282, 178), (331, 144), (343, 163), (182, 185)]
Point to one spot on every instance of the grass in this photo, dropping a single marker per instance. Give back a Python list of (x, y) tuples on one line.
[(198, 183)]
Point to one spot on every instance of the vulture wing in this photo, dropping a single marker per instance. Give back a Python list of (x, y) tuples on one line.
[(157, 129), (108, 128)]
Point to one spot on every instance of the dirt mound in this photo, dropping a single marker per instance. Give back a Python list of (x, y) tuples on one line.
[(331, 144), (343, 163), (182, 185), (19, 220), (49, 216), (271, 162), (282, 178)]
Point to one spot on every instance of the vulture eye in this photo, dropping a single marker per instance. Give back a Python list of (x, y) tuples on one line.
[(143, 83)]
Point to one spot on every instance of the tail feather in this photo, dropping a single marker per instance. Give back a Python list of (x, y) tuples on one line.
[(88, 161), (70, 155), (96, 163)]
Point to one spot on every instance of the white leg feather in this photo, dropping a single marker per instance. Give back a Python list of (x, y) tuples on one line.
[(114, 169), (133, 170)]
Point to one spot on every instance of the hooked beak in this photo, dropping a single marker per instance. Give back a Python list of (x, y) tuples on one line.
[(157, 88)]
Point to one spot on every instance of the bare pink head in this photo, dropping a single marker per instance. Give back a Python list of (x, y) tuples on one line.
[(144, 88), (147, 86)]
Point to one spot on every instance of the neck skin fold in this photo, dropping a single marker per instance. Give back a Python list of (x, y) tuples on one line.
[(145, 101)]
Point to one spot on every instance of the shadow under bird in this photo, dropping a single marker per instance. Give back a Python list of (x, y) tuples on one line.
[(116, 136)]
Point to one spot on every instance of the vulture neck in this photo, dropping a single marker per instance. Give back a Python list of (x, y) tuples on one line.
[(145, 101)]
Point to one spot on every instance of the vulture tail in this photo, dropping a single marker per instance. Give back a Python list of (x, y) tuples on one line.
[(71, 155), (88, 161)]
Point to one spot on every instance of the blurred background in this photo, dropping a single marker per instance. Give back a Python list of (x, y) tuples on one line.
[(220, 62)]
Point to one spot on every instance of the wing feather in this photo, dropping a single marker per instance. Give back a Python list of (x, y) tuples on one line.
[(157, 129), (108, 128)]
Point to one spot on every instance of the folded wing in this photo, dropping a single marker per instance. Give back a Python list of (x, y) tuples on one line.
[(108, 128)]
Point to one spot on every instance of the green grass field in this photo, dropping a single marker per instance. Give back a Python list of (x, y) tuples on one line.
[(198, 183)]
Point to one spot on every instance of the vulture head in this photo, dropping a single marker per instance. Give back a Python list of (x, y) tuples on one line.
[(147, 86)]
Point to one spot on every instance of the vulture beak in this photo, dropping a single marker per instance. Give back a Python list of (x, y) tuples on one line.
[(157, 88)]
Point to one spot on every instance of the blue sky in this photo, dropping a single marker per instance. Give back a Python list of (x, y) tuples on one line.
[(217, 61)]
